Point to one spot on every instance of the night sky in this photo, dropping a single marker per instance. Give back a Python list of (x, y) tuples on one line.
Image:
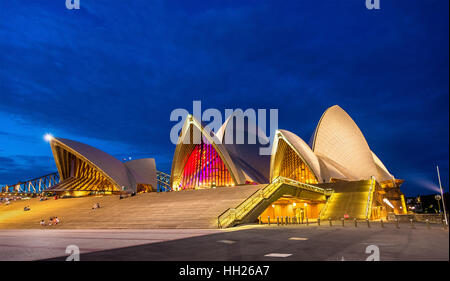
[(110, 73)]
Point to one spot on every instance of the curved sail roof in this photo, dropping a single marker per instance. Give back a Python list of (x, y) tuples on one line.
[(338, 139), (181, 153), (246, 154), (143, 170), (104, 162), (383, 171)]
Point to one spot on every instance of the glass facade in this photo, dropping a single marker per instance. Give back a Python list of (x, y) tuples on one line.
[(292, 166), (204, 168), (79, 175)]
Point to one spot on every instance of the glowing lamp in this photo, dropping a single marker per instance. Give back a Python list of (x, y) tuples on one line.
[(385, 200), (48, 137)]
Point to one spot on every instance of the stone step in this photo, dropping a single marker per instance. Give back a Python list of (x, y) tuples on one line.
[(182, 209)]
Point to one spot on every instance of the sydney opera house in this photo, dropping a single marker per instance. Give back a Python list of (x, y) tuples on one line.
[(336, 174)]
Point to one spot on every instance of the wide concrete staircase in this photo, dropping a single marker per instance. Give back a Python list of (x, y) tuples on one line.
[(182, 209), (349, 198)]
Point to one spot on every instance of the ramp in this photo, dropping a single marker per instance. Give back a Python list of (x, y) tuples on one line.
[(351, 198)]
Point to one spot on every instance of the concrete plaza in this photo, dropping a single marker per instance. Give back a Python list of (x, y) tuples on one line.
[(246, 243)]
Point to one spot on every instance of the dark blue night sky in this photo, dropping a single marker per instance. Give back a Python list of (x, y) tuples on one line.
[(110, 73)]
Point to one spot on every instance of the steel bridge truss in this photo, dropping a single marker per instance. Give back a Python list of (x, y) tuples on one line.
[(36, 185), (41, 184), (163, 181)]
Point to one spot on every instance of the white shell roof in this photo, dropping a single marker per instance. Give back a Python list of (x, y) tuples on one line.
[(339, 150), (143, 170), (123, 174), (338, 139), (247, 155), (178, 165), (383, 171)]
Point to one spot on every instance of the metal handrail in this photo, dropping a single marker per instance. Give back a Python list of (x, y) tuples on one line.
[(242, 207), (261, 194), (369, 197)]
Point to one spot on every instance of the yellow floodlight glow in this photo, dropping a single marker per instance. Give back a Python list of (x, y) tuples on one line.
[(385, 200), (48, 137)]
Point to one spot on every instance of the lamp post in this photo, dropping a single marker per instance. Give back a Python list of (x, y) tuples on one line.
[(306, 210), (438, 198), (442, 195)]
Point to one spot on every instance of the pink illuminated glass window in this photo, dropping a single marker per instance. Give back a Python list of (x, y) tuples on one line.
[(204, 168)]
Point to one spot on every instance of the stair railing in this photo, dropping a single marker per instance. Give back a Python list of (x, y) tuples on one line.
[(370, 198), (231, 215)]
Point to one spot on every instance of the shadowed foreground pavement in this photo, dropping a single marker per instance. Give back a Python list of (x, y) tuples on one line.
[(293, 242), (32, 244)]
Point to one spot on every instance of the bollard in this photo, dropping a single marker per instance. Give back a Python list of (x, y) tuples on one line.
[(318, 221), (382, 225), (331, 224), (342, 219), (268, 220), (396, 223), (356, 222), (259, 218), (411, 221), (290, 220), (428, 223), (368, 223), (307, 223), (286, 220), (278, 221)]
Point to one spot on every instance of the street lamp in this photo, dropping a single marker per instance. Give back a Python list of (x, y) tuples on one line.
[(438, 198), (48, 137), (306, 210)]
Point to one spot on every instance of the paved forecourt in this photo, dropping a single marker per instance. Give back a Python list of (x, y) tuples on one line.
[(297, 243)]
